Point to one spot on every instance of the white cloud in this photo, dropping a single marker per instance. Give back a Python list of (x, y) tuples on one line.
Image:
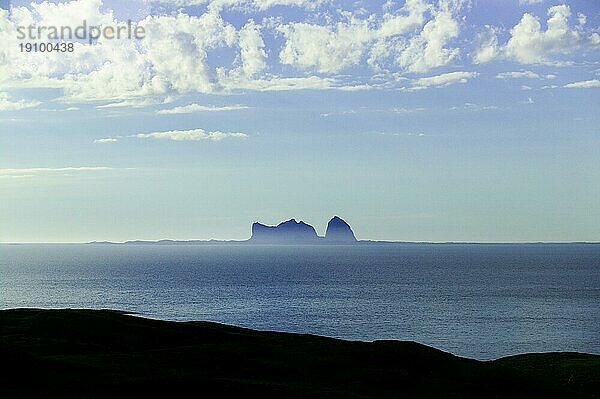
[(173, 58), (53, 66), (443, 80), (132, 103), (185, 54), (308, 4), (108, 140), (518, 75), (62, 70), (178, 49), (585, 84), (234, 83), (529, 2), (412, 16), (324, 49), (252, 46), (15, 177), (487, 47), (358, 87), (341, 113), (530, 44), (190, 135), (523, 75), (390, 37), (35, 171), (475, 107), (191, 108), (403, 110), (428, 49), (334, 48), (6, 104), (261, 5)]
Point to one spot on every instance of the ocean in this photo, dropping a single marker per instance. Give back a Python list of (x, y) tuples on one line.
[(475, 300)]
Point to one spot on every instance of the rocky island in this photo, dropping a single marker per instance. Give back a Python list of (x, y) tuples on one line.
[(338, 231), (290, 232), (294, 232)]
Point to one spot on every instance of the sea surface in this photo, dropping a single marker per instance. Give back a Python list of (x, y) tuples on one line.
[(474, 300)]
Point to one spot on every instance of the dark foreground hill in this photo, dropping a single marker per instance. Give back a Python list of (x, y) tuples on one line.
[(107, 354)]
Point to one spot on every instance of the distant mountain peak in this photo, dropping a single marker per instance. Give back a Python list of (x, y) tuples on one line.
[(339, 231)]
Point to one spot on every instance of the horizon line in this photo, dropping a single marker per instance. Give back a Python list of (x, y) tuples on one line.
[(240, 241)]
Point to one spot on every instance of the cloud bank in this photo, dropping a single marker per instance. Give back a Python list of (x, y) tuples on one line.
[(332, 47), (190, 135)]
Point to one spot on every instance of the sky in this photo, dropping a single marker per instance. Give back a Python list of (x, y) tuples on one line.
[(424, 120)]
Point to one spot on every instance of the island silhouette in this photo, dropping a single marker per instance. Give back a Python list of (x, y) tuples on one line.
[(290, 232), (294, 232)]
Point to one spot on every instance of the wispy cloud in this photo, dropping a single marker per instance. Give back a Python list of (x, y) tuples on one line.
[(190, 135), (523, 75), (475, 107), (529, 2), (518, 75), (348, 112), (444, 79), (108, 140), (133, 103), (403, 110), (191, 108), (69, 109), (32, 172), (584, 84), (236, 84)]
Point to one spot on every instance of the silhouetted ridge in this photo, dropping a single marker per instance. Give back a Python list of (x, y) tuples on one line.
[(286, 232), (108, 354), (339, 231), (292, 231)]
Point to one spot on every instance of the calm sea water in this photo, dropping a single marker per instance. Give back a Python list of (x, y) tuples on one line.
[(481, 301)]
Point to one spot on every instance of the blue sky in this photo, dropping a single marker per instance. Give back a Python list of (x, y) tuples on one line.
[(417, 121)]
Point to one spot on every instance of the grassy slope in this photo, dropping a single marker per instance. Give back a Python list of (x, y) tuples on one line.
[(96, 354)]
